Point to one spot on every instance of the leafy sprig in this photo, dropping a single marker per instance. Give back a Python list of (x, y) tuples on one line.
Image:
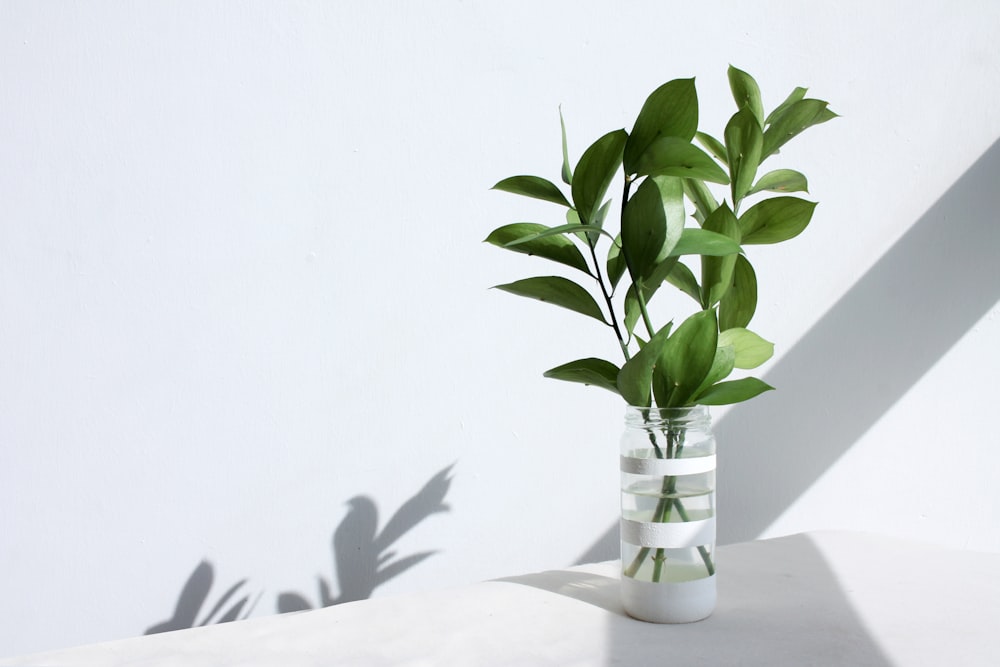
[(663, 171)]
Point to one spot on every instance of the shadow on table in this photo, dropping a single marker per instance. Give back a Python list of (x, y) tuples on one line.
[(859, 359), (780, 603), (362, 556)]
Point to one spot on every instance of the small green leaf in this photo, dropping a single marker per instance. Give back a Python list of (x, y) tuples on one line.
[(687, 358), (713, 146), (557, 248), (635, 376), (670, 111), (559, 291), (594, 172), (750, 349), (793, 97), (717, 272), (652, 223), (722, 365), (567, 172), (781, 180), (775, 220), (672, 156), (546, 232), (795, 118), (701, 197), (682, 278), (704, 242), (734, 391), (744, 141), (616, 262), (533, 186), (739, 303), (746, 92), (597, 372)]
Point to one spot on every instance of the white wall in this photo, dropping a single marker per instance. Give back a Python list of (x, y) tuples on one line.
[(242, 282)]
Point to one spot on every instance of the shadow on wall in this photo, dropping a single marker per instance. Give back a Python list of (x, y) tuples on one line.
[(361, 555), (860, 358)]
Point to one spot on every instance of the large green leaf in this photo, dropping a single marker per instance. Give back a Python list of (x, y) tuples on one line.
[(750, 349), (557, 248), (673, 156), (739, 303), (775, 220), (744, 141), (556, 290), (795, 118), (652, 223), (597, 372), (636, 374), (701, 197), (533, 186), (670, 111), (734, 391), (594, 172), (567, 172), (704, 242), (746, 92), (781, 180), (687, 358), (717, 271)]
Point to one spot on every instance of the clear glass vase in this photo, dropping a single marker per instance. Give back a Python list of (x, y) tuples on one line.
[(668, 514)]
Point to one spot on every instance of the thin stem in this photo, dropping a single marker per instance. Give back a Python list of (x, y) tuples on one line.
[(607, 299)]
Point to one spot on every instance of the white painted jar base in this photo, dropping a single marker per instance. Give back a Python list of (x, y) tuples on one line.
[(680, 602)]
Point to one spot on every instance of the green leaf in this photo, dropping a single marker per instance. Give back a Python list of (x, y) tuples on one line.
[(722, 365), (739, 303), (532, 186), (713, 146), (746, 92), (717, 272), (750, 349), (744, 142), (670, 111), (652, 223), (594, 173), (734, 391), (795, 118), (556, 290), (687, 358), (793, 97), (636, 374), (775, 220), (567, 172), (673, 156), (616, 262), (704, 242), (781, 180), (701, 197), (570, 228), (682, 278), (597, 372), (557, 248)]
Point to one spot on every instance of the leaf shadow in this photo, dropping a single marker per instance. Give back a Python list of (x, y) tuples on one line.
[(362, 555), (194, 595)]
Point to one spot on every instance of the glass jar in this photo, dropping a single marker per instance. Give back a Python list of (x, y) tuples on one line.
[(668, 514)]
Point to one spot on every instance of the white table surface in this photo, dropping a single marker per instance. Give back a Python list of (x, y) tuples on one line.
[(827, 598)]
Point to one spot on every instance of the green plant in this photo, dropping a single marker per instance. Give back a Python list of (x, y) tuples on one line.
[(663, 172)]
